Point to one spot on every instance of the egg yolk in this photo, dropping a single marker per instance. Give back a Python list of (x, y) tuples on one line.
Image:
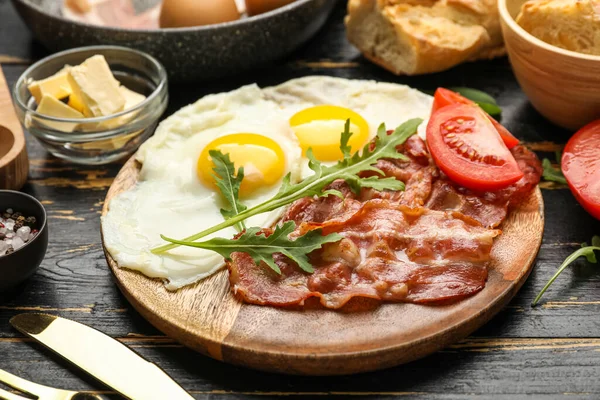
[(262, 158), (320, 129)]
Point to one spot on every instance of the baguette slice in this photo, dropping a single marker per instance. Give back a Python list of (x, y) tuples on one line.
[(423, 36), (571, 24)]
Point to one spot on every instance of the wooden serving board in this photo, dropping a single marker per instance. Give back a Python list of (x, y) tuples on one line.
[(207, 317)]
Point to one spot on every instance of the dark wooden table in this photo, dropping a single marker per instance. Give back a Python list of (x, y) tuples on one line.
[(552, 351)]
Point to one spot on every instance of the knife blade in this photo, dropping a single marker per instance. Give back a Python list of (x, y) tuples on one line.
[(107, 359)]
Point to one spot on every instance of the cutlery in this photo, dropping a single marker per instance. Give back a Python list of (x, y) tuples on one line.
[(110, 361), (39, 391)]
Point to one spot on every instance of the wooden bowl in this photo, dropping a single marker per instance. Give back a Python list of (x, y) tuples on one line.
[(14, 164), (562, 85)]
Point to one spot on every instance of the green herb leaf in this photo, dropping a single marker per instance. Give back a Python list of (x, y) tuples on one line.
[(348, 168), (491, 109), (585, 251), (228, 183), (262, 248), (356, 183), (476, 95), (484, 100), (552, 174), (558, 155), (344, 147)]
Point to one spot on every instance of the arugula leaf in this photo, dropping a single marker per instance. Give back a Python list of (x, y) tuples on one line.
[(473, 94), (228, 183), (347, 168), (345, 138), (484, 100), (552, 174), (585, 251), (262, 248), (492, 109)]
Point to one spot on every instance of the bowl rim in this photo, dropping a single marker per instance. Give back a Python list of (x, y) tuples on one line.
[(12, 152), (162, 85), (42, 228), (515, 27), (202, 28)]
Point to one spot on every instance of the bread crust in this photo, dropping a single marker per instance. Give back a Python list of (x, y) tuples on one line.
[(423, 36), (571, 25)]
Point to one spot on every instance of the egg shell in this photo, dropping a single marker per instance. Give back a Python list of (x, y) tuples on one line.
[(255, 7), (183, 13)]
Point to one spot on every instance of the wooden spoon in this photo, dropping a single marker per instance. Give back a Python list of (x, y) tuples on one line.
[(14, 164)]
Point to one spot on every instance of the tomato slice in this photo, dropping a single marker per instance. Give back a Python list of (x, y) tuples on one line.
[(467, 148), (444, 97), (581, 166)]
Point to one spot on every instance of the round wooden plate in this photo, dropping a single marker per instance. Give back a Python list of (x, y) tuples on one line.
[(208, 318)]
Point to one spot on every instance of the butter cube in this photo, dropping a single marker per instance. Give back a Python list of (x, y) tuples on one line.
[(76, 102), (94, 83), (52, 107), (56, 86), (132, 98)]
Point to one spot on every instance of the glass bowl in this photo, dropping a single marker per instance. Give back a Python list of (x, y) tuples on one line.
[(98, 140)]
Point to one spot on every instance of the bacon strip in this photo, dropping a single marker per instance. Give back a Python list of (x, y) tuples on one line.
[(489, 208), (389, 252), (429, 243)]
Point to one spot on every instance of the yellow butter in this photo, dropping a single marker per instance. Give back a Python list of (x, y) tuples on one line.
[(94, 83), (52, 107), (76, 103), (132, 99), (56, 86)]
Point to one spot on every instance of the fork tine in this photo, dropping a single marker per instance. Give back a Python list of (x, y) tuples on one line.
[(26, 386), (4, 395)]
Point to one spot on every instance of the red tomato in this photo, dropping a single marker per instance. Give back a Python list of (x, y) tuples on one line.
[(444, 97), (581, 166), (467, 148)]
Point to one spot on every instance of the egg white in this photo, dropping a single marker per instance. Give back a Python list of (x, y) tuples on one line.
[(376, 102), (170, 199)]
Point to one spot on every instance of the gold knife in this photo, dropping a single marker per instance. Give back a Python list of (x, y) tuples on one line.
[(110, 361)]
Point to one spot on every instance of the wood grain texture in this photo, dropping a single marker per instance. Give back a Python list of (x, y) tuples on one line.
[(474, 368), (208, 318), (74, 281), (13, 153)]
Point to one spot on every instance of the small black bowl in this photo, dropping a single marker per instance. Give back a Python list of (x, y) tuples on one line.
[(20, 265)]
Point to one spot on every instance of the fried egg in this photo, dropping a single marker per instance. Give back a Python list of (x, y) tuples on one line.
[(176, 193), (268, 132), (318, 106)]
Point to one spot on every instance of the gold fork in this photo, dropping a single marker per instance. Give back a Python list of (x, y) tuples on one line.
[(40, 391)]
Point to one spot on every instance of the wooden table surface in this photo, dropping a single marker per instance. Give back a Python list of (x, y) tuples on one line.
[(551, 351)]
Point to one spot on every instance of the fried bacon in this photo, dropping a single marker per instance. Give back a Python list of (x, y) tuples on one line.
[(489, 208), (429, 243)]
